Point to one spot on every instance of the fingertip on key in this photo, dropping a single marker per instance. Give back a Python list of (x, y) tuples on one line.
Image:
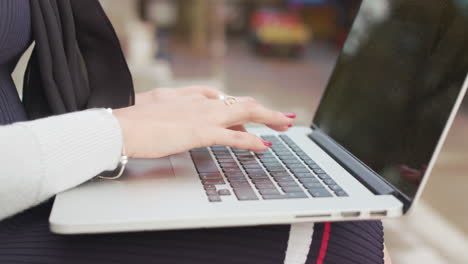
[(290, 115), (267, 143)]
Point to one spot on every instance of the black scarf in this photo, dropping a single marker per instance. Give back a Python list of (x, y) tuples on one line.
[(77, 62)]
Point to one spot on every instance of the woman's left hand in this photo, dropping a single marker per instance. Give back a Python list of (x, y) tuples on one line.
[(164, 94)]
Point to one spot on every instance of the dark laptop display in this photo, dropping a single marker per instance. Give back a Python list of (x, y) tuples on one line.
[(395, 84)]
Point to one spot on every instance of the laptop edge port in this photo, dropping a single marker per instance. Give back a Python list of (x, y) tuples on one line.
[(350, 214)]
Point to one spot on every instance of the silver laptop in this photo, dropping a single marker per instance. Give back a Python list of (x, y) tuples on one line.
[(368, 153)]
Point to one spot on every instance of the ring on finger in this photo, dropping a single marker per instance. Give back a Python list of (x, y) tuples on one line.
[(228, 100)]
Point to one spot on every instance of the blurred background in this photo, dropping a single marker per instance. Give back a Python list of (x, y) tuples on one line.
[(282, 53)]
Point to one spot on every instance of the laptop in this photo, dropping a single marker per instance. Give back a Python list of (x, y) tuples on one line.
[(387, 108)]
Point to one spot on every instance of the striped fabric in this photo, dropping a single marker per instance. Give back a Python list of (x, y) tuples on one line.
[(26, 238), (347, 243), (15, 36)]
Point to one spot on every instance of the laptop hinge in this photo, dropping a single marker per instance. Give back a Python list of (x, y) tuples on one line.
[(361, 172)]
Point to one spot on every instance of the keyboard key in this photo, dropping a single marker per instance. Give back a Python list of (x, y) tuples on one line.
[(240, 185), (255, 172), (323, 176), (221, 152), (228, 165), (252, 166), (299, 170), (261, 180), (304, 175), (236, 169), (211, 192), (283, 178), (245, 195), (210, 175), (265, 186), (231, 160), (269, 160), (292, 161), (209, 187), (313, 185), (304, 180), (276, 169), (296, 166), (214, 198), (214, 181), (262, 176), (268, 191), (237, 179), (288, 184), (341, 193), (284, 196), (244, 156), (329, 182), (310, 162), (286, 159), (280, 173), (319, 193), (204, 162), (318, 171), (335, 187), (237, 150), (287, 189), (245, 162), (224, 192), (235, 173)]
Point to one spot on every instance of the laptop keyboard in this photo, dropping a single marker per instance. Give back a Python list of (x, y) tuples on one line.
[(283, 172)]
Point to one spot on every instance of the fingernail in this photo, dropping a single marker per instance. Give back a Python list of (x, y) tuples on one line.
[(290, 126), (290, 115), (267, 143)]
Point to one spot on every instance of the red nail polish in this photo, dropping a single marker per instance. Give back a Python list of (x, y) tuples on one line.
[(267, 143), (290, 126), (290, 115)]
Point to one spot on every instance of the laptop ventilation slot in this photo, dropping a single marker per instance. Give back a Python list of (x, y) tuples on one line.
[(313, 216)]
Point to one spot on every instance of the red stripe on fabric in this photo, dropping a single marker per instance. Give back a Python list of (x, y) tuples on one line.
[(324, 246)]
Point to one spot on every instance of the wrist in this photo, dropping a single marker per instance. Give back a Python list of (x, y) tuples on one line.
[(126, 128)]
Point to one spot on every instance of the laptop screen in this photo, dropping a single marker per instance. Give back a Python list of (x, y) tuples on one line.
[(395, 84)]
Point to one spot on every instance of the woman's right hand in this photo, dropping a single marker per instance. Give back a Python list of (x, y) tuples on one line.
[(158, 130)]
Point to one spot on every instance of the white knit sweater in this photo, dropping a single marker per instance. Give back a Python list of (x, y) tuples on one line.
[(41, 158)]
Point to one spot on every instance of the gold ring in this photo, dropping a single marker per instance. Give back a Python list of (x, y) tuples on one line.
[(228, 100)]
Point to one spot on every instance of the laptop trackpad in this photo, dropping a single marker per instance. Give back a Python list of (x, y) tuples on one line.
[(145, 169)]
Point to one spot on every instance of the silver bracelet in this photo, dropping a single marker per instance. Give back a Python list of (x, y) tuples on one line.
[(122, 162)]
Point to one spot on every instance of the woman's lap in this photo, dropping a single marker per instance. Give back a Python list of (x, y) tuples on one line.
[(25, 238)]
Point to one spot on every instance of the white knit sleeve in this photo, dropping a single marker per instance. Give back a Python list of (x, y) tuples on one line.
[(41, 158)]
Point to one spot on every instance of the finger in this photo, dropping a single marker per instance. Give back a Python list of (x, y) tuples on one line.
[(208, 92), (280, 128), (238, 139), (248, 110), (240, 128)]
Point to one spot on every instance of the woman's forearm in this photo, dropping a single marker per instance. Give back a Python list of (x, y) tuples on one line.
[(44, 157)]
